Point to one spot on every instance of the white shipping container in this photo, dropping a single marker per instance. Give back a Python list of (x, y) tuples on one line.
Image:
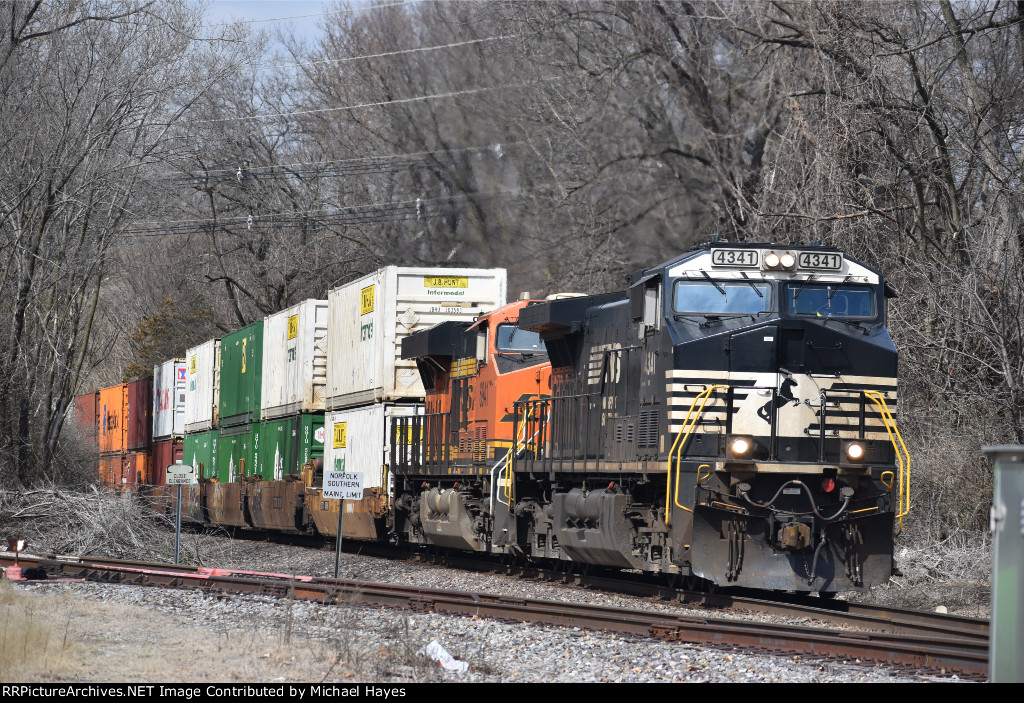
[(169, 383), (202, 392), (294, 360), (358, 440), (369, 317)]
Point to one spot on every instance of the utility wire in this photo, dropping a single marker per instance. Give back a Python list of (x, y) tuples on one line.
[(322, 110), (310, 213), (367, 212), (317, 14), (267, 66), (270, 169)]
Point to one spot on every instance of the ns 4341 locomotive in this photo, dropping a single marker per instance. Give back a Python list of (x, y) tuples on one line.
[(729, 417)]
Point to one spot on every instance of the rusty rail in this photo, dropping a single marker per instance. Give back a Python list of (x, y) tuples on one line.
[(966, 654)]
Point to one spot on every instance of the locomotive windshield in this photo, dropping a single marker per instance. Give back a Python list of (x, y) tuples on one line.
[(830, 300), (512, 339), (722, 297)]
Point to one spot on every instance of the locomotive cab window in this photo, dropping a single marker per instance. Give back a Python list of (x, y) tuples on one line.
[(830, 300), (512, 339), (722, 297)]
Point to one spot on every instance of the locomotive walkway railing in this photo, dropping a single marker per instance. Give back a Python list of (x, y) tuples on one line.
[(677, 450), (894, 436), (567, 430), (863, 397)]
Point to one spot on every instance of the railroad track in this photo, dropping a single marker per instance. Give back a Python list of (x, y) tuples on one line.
[(910, 638), (836, 612)]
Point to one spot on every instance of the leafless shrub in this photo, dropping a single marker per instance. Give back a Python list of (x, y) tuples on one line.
[(102, 523), (95, 522)]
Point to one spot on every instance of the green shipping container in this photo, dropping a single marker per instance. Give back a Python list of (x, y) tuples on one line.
[(200, 451), (241, 371), (288, 443), (237, 452)]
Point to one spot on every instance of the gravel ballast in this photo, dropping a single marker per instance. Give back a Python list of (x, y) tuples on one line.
[(124, 633)]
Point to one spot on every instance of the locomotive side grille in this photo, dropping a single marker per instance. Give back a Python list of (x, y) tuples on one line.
[(480, 444), (625, 431), (647, 435)]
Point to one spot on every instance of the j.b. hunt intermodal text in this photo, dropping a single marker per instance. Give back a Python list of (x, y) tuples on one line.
[(310, 691)]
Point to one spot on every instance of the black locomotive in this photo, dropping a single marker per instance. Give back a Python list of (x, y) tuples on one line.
[(729, 417)]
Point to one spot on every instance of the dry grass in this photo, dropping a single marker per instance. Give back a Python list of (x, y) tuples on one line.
[(74, 639), (34, 634)]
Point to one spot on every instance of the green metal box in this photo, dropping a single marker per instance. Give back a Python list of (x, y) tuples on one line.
[(289, 442), (200, 450), (241, 370), (237, 452)]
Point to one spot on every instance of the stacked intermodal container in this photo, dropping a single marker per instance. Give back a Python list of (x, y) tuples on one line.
[(237, 444), (199, 446), (124, 432), (370, 316), (84, 420), (241, 371), (292, 412), (368, 383), (287, 443), (295, 360), (202, 389), (170, 380)]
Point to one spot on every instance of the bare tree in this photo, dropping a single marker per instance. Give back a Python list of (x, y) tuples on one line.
[(89, 94)]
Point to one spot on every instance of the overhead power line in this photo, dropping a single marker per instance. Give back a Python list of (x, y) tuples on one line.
[(316, 14), (319, 167), (398, 52), (399, 101), (355, 214)]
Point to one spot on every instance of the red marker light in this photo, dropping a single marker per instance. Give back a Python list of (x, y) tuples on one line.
[(828, 484)]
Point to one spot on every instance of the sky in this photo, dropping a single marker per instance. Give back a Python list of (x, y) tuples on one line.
[(267, 14)]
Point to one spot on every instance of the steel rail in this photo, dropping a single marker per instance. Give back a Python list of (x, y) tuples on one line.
[(965, 655), (837, 612)]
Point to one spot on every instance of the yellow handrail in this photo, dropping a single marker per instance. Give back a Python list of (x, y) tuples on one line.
[(505, 487), (702, 477), (677, 449), (894, 436)]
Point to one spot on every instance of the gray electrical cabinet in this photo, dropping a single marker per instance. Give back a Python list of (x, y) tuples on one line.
[(1006, 643)]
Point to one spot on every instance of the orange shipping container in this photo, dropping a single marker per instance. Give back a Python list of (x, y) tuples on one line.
[(83, 412), (82, 420), (125, 417), (125, 470)]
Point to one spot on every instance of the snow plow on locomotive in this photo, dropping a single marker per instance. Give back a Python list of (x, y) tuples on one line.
[(729, 417)]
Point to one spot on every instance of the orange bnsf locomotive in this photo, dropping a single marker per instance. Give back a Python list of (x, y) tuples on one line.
[(453, 474), (729, 417)]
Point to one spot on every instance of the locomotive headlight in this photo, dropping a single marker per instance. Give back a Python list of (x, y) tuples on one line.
[(787, 260), (740, 447), (854, 451), (771, 260)]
